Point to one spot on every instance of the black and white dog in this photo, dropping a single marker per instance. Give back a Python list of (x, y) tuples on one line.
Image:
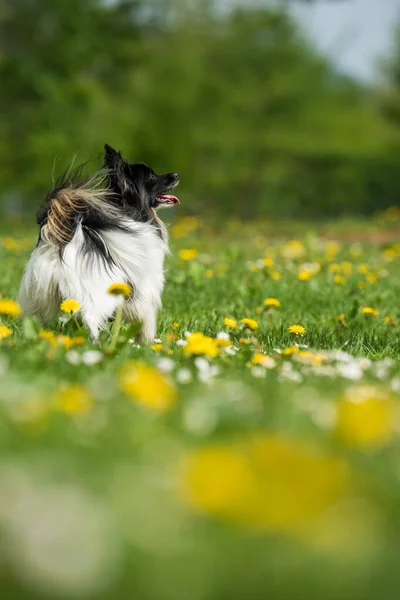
[(97, 232)]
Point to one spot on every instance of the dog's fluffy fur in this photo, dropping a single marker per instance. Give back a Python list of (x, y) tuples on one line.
[(97, 232)]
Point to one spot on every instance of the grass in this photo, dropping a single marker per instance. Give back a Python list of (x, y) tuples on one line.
[(257, 465)]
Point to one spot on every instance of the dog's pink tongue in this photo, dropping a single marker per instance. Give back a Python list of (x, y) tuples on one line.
[(168, 199)]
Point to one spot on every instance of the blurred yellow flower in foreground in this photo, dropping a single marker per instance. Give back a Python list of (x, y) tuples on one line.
[(270, 483), (275, 275), (332, 249), (297, 329), (10, 308), (70, 306), (67, 341), (5, 332), (198, 343), (250, 323), (73, 399), (232, 323), (290, 351), (46, 334), (272, 302), (171, 337), (147, 386), (293, 249), (264, 360), (305, 274), (188, 254), (268, 262), (367, 310), (365, 416), (157, 347), (120, 289), (371, 277), (339, 280)]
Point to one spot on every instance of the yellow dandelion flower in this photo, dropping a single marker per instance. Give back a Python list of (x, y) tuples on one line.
[(222, 342), (269, 483), (390, 254), (307, 357), (290, 351), (147, 387), (339, 280), (46, 334), (391, 321), (264, 360), (69, 342), (334, 268), (305, 275), (332, 249), (268, 262), (371, 277), (188, 254), (175, 325), (171, 337), (361, 285), (70, 306), (9, 243), (275, 275), (367, 310), (272, 302), (231, 323), (293, 249), (5, 332), (73, 399), (340, 318), (120, 289), (362, 269), (297, 329), (198, 344), (10, 308), (209, 273), (250, 323), (347, 268), (365, 416), (157, 347)]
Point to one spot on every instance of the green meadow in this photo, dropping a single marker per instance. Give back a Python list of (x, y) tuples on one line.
[(251, 451)]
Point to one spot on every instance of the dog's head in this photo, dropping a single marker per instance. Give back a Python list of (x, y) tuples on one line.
[(137, 184)]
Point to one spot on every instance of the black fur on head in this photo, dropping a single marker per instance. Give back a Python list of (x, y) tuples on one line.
[(136, 186)]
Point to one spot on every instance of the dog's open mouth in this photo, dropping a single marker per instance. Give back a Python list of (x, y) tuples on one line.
[(167, 199)]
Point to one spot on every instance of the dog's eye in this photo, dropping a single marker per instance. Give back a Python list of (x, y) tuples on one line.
[(152, 176)]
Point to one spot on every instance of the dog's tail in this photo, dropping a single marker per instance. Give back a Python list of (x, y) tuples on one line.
[(68, 202)]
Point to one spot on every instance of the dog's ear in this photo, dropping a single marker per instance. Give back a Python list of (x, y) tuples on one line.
[(115, 165), (112, 158)]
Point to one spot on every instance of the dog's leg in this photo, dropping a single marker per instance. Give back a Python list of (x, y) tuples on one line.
[(146, 313), (39, 293), (92, 323), (149, 324)]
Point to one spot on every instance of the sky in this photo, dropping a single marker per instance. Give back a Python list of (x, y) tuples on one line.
[(354, 33)]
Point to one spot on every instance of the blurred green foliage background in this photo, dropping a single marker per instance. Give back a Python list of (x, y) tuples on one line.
[(238, 101)]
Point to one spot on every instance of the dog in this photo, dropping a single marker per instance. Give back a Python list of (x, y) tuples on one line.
[(98, 231)]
